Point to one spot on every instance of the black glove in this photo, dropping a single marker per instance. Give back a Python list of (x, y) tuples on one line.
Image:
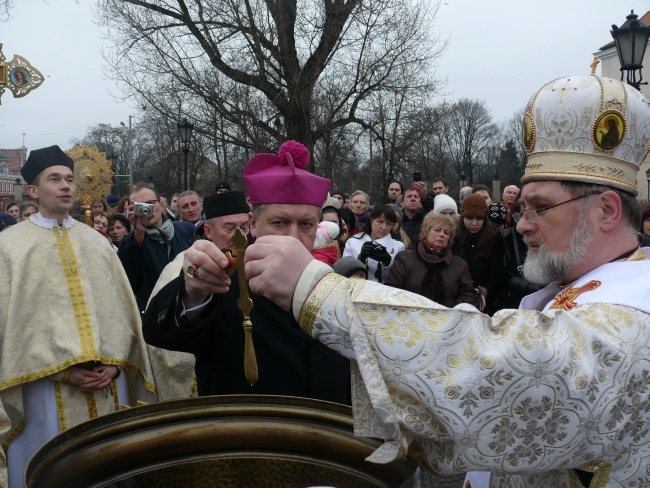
[(366, 248), (380, 254)]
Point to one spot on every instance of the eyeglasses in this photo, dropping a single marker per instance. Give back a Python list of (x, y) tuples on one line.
[(533, 214)]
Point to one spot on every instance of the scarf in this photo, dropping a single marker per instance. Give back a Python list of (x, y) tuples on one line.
[(433, 284), (162, 234)]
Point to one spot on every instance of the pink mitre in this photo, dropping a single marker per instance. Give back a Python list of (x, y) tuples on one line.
[(281, 178)]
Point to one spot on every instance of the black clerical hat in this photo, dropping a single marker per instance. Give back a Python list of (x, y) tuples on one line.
[(40, 159), (230, 203)]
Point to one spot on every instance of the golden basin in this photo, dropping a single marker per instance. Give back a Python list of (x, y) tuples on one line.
[(222, 441)]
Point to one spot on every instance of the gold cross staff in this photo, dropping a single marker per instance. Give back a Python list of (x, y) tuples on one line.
[(245, 304)]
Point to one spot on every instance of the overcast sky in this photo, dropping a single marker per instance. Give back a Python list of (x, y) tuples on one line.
[(501, 52)]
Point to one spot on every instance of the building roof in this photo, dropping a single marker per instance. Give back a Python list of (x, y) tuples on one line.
[(16, 158), (645, 19)]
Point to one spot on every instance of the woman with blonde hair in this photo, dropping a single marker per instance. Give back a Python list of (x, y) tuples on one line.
[(431, 269), (101, 207), (27, 209), (397, 232)]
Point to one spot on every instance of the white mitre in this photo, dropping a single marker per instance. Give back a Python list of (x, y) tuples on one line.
[(587, 129)]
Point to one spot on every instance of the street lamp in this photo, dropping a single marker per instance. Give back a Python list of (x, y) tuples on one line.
[(130, 152), (631, 40), (185, 132), (18, 190), (112, 157)]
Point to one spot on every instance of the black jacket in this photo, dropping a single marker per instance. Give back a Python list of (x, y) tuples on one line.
[(507, 260), (144, 262), (289, 361), (413, 226)]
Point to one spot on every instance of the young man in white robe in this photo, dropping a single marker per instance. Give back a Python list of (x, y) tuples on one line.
[(69, 325)]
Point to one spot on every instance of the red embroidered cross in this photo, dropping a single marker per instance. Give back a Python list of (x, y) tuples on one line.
[(565, 300)]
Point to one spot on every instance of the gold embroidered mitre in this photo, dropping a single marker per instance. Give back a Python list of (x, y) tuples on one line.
[(586, 129)]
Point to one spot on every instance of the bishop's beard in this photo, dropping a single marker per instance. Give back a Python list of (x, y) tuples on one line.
[(544, 266)]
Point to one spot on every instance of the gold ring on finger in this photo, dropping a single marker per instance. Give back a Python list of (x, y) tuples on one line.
[(192, 270)]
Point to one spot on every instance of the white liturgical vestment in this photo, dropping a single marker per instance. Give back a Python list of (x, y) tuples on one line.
[(527, 395), (66, 301)]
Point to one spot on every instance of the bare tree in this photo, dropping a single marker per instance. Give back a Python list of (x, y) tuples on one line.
[(428, 150), (5, 6), (513, 131), (257, 62), (468, 132)]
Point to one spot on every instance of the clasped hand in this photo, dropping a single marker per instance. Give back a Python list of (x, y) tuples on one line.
[(97, 378)]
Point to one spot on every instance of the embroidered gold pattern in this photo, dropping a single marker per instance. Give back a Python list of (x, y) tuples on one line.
[(586, 167), (76, 291), (615, 171), (600, 470), (92, 405), (113, 392), (533, 165), (59, 406), (528, 132), (579, 173), (637, 255), (313, 304), (506, 391), (565, 300)]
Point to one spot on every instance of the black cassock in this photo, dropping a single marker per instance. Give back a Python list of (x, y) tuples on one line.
[(289, 361)]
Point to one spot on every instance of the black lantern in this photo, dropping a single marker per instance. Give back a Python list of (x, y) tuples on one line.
[(631, 40), (185, 132)]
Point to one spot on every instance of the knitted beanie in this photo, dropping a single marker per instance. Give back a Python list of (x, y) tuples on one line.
[(474, 206), (444, 202), (398, 210), (348, 265), (497, 214)]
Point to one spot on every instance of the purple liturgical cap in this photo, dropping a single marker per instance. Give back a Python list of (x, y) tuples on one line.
[(282, 178)]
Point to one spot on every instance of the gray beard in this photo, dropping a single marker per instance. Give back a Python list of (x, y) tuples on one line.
[(546, 266)]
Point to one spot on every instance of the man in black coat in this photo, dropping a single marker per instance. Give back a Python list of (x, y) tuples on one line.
[(197, 312), (153, 242), (417, 203)]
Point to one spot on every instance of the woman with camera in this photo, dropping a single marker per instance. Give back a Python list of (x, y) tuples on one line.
[(374, 246), (431, 270)]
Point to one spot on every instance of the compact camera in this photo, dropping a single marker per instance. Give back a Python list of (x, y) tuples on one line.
[(143, 209), (417, 175)]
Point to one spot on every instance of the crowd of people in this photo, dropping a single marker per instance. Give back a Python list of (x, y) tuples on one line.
[(400, 300)]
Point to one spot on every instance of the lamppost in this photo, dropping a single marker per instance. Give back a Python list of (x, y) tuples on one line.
[(496, 186), (631, 40), (18, 190), (185, 132), (112, 157), (130, 152)]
